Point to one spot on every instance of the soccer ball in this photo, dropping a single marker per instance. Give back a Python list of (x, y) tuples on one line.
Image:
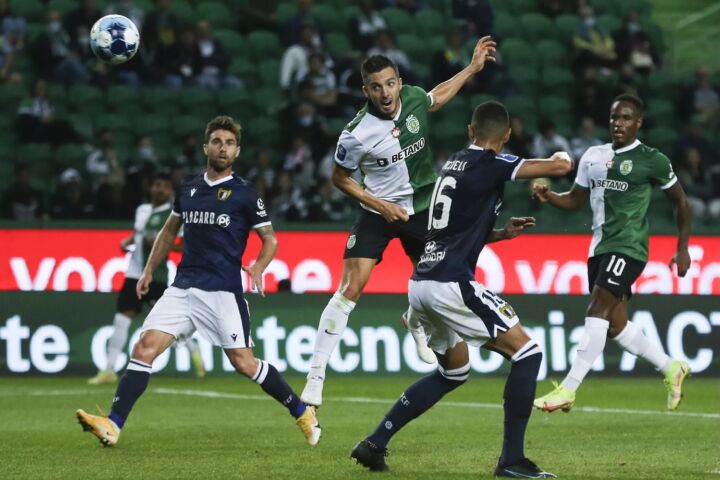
[(114, 39)]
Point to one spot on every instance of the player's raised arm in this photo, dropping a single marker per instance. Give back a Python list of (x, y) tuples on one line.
[(570, 200), (343, 180), (161, 247), (682, 219), (267, 252), (557, 165), (444, 92)]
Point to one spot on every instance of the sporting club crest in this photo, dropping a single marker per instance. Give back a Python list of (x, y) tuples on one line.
[(412, 124), (351, 242), (626, 167)]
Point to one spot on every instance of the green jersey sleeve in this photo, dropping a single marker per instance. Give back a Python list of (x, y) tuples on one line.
[(418, 92), (662, 173)]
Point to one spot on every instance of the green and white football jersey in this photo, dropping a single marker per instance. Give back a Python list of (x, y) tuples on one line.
[(148, 220), (620, 183), (393, 155)]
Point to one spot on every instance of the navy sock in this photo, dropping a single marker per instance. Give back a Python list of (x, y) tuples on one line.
[(517, 401), (275, 385), (416, 400), (132, 384)]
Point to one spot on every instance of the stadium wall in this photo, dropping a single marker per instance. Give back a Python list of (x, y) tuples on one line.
[(56, 333)]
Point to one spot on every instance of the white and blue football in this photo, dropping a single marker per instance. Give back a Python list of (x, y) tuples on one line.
[(114, 39)]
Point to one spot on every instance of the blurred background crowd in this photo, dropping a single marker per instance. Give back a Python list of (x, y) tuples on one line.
[(80, 139)]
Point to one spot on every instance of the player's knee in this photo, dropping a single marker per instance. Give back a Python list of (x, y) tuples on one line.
[(245, 365), (457, 376), (144, 351)]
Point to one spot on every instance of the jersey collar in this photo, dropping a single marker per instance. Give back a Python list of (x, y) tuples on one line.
[(472, 146), (629, 147), (159, 208), (216, 182)]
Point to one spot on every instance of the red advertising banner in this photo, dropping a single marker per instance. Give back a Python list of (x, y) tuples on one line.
[(91, 260)]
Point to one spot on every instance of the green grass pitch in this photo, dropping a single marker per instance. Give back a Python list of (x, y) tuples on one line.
[(224, 427)]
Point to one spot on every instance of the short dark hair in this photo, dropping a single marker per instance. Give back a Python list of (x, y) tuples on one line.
[(630, 98), (490, 120), (223, 122), (163, 175), (376, 63)]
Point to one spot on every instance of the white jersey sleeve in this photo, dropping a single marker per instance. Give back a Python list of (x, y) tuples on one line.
[(349, 151), (581, 179)]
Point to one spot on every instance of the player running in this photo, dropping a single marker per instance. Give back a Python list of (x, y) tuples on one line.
[(217, 210), (453, 308), (388, 142), (149, 218), (618, 177)]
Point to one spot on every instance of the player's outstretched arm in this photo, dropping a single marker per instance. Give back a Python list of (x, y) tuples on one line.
[(682, 220), (267, 252), (343, 180), (514, 227), (158, 254), (570, 200), (558, 165), (444, 92)]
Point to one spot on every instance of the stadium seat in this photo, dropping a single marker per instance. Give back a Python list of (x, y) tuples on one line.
[(193, 99), (501, 6), (262, 131), (150, 124), (479, 98), (525, 77), (622, 7), (336, 125), (523, 6), (183, 9), (11, 95), (183, 125), (566, 25), (263, 44), (62, 6), (245, 71), (120, 96), (114, 122), (441, 6), (31, 10), (82, 124), (516, 51), (429, 22), (662, 84), (327, 17), (602, 6), (233, 42), (449, 136), (237, 102), (414, 47), (536, 26), (218, 14), (399, 20), (285, 11), (456, 111), (269, 101), (71, 156), (34, 153), (505, 24), (660, 112), (610, 23), (558, 80), (552, 52), (160, 100), (86, 99), (270, 72), (338, 45), (553, 106)]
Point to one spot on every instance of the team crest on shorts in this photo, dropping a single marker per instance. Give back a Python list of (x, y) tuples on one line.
[(395, 132), (351, 242), (626, 167), (223, 194), (412, 124)]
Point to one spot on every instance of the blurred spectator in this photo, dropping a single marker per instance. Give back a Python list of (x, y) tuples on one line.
[(102, 162), (478, 15), (71, 201), (54, 57), (452, 58), (292, 31), (36, 122), (592, 98), (21, 201), (694, 178), (328, 205), (585, 139), (160, 31), (411, 6), (146, 153), (350, 94), (180, 64), (110, 202), (593, 45), (304, 122), (547, 141), (520, 141), (212, 61), (191, 156), (287, 203), (693, 137), (127, 9), (705, 98), (79, 22), (258, 15), (299, 162), (632, 45), (320, 86), (385, 45), (553, 8), (295, 61), (262, 174), (12, 29), (365, 25)]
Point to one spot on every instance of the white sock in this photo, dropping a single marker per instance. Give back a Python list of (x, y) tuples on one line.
[(333, 321), (591, 346), (118, 340), (634, 341), (191, 345)]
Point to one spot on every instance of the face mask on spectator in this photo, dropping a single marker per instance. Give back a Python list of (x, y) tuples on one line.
[(590, 21), (147, 153), (634, 27), (54, 27), (305, 120)]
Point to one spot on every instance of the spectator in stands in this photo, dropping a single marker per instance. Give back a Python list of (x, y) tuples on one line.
[(127, 9), (37, 123), (258, 15), (476, 14), (145, 152), (262, 174), (320, 85), (293, 28), (160, 31), (593, 45), (295, 61), (54, 56), (305, 122), (547, 141), (190, 156), (328, 205), (181, 61), (385, 45), (350, 95), (592, 98), (705, 98), (365, 25), (299, 162), (585, 138), (632, 45), (454, 57), (12, 29), (553, 8), (410, 6), (520, 140), (79, 22), (102, 163), (694, 178), (288, 203), (21, 201), (71, 201), (212, 60)]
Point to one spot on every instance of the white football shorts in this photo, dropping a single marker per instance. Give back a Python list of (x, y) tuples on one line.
[(454, 311), (223, 318)]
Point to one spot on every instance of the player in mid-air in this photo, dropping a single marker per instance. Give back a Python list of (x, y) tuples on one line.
[(453, 308), (217, 211), (618, 178), (388, 141), (149, 218)]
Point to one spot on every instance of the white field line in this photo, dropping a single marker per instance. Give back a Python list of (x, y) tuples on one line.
[(382, 401)]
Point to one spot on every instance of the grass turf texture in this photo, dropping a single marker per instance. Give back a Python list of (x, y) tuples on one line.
[(174, 433)]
